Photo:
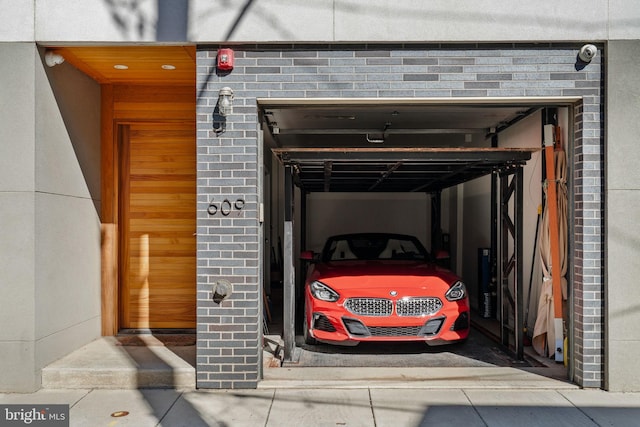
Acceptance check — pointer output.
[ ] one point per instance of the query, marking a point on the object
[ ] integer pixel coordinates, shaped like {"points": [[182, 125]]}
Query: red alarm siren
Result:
{"points": [[225, 59]]}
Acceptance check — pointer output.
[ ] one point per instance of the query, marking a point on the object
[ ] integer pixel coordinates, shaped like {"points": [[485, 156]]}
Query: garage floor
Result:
{"points": [[482, 349], [478, 351]]}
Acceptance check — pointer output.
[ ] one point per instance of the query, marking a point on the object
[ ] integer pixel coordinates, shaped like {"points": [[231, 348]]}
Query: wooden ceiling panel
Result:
{"points": [[144, 64]]}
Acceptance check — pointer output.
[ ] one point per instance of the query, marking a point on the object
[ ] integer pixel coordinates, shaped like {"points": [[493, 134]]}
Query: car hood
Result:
{"points": [[370, 275]]}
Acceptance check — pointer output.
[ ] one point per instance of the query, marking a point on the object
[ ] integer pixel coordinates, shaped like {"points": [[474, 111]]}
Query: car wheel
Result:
{"points": [[308, 339]]}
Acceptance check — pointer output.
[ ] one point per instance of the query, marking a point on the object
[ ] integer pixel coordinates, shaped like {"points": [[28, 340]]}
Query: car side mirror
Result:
{"points": [[441, 254], [307, 256]]}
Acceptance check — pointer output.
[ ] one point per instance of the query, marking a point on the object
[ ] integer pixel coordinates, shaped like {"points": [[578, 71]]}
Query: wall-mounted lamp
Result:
{"points": [[225, 101], [52, 58]]}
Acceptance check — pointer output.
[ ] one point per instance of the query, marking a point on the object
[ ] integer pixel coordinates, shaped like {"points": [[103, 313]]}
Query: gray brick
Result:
{"points": [[311, 61], [384, 77], [260, 54], [567, 76], [457, 61], [469, 69], [542, 92], [372, 53], [300, 70], [336, 54], [494, 77], [342, 62], [407, 69], [503, 92], [481, 85], [311, 77], [274, 78], [445, 69], [357, 93], [492, 60], [420, 77], [335, 86], [227, 167], [373, 69], [384, 61], [371, 85], [470, 93], [397, 93], [454, 77], [287, 94], [346, 78], [420, 61], [433, 93]]}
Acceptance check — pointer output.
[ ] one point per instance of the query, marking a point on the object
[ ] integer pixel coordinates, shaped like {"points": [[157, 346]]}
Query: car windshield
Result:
{"points": [[374, 247]]}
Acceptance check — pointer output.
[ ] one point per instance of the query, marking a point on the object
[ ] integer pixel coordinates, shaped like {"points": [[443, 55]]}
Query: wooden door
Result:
{"points": [[158, 225]]}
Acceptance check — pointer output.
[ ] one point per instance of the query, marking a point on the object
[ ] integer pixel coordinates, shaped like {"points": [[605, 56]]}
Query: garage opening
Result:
{"points": [[462, 176]]}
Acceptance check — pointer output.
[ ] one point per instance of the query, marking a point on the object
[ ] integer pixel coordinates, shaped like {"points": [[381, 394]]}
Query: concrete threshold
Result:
{"points": [[408, 378], [295, 375], [108, 364]]}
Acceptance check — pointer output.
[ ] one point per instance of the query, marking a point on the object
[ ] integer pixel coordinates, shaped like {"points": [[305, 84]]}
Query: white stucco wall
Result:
{"points": [[336, 213], [622, 241], [17, 21], [476, 214], [476, 230], [67, 219], [320, 21], [17, 216], [49, 222]]}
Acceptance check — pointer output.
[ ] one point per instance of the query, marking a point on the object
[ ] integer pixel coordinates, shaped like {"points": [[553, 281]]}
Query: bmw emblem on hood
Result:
{"points": [[393, 293]]}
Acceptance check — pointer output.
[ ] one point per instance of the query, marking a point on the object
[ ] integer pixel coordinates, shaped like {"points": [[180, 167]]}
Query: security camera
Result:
{"points": [[52, 58], [587, 52]]}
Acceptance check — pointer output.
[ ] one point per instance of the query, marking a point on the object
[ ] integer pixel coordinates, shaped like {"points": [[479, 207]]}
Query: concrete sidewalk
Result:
{"points": [[154, 385], [369, 406]]}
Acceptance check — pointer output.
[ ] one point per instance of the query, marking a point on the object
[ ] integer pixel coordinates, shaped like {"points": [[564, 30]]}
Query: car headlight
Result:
{"points": [[456, 292], [322, 292]]}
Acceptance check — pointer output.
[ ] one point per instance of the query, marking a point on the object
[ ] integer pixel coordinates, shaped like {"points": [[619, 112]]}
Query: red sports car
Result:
{"points": [[382, 287]]}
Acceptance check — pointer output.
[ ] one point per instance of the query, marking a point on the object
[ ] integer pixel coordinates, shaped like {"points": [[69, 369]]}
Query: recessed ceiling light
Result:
{"points": [[168, 67], [121, 67]]}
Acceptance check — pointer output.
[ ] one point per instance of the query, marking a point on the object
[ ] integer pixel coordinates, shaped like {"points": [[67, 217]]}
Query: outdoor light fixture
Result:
{"points": [[52, 58], [225, 101]]}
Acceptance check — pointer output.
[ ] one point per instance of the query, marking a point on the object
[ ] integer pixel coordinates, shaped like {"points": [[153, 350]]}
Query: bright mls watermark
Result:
{"points": [[34, 415]]}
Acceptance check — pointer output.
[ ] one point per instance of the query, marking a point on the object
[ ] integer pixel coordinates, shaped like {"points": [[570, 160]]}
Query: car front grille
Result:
{"points": [[381, 307], [403, 331], [369, 306], [418, 306]]}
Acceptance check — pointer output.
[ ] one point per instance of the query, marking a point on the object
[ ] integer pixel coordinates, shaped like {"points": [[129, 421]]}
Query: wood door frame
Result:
{"points": [[115, 255], [115, 113], [109, 170], [122, 146], [113, 133]]}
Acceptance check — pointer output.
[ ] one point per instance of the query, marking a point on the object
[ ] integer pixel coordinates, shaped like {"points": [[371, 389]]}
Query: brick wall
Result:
{"points": [[228, 350]]}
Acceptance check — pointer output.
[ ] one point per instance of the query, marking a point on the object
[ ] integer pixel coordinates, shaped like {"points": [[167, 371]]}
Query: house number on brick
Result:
{"points": [[225, 207]]}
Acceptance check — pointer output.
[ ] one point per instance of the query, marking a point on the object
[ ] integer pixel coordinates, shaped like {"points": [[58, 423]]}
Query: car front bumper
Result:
{"points": [[332, 323]]}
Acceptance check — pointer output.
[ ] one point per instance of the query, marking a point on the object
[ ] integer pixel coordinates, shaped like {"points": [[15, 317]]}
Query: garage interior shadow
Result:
{"points": [[482, 349]]}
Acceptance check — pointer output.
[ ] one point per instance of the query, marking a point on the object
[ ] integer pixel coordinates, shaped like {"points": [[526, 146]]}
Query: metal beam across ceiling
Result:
{"points": [[394, 144], [378, 169]]}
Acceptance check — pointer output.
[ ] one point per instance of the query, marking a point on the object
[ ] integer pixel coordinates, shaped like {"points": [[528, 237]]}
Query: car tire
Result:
{"points": [[308, 339]]}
